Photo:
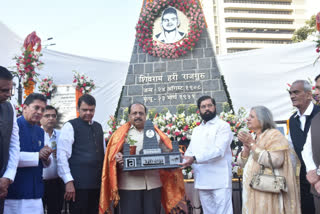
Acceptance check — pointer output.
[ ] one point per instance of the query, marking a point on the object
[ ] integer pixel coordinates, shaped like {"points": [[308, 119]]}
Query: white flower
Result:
{"points": [[184, 172], [81, 81], [122, 122], [190, 175], [21, 66], [235, 169]]}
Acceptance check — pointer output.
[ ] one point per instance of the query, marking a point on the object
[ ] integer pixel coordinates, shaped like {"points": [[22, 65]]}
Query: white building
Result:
{"points": [[241, 25]]}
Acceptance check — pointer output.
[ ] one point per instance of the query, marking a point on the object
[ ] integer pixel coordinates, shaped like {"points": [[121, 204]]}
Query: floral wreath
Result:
{"points": [[144, 29], [318, 36], [47, 87], [83, 83]]}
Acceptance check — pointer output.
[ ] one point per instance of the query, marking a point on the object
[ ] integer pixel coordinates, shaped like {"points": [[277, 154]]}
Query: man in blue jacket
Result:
{"points": [[25, 193]]}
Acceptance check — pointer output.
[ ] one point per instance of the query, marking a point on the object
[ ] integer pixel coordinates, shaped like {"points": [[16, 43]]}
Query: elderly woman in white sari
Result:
{"points": [[255, 153]]}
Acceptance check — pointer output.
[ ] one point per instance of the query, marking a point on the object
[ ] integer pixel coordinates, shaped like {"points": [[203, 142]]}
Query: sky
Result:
{"points": [[95, 28]]}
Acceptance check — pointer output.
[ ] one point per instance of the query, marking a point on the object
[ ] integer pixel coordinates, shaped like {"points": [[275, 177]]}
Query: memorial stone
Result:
{"points": [[162, 82]]}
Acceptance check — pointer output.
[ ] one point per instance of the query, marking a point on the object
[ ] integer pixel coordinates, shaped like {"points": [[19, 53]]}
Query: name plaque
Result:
{"points": [[151, 156]]}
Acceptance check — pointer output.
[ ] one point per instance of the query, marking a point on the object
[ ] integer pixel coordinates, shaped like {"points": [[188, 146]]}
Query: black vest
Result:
{"points": [[315, 142], [87, 156], [6, 124], [299, 137]]}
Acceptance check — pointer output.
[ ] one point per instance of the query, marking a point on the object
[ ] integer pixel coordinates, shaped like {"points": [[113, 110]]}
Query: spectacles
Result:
{"points": [[50, 115], [205, 106]]}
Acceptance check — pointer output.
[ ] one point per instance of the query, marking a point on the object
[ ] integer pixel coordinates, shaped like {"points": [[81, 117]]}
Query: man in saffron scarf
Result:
{"points": [[139, 191]]}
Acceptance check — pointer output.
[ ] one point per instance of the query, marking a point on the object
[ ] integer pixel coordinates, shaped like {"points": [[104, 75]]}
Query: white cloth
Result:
{"points": [[14, 150], [307, 155], [23, 206], [218, 201], [51, 172], [31, 159], [210, 144], [64, 151]]}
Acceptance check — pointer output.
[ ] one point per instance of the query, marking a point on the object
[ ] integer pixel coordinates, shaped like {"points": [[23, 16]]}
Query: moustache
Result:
{"points": [[137, 119]]}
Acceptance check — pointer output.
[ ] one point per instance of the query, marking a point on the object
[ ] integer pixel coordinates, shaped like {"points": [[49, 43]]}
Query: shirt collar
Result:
{"points": [[307, 112], [212, 121], [54, 134], [132, 127]]}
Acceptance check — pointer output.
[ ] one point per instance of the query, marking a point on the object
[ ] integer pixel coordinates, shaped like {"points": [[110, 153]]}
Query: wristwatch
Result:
{"points": [[318, 171]]}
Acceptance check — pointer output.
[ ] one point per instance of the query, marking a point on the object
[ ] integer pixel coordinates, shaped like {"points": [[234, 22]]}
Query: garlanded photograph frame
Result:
{"points": [[152, 10]]}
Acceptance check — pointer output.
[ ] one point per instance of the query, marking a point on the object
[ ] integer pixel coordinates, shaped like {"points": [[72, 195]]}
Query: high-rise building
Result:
{"points": [[241, 25]]}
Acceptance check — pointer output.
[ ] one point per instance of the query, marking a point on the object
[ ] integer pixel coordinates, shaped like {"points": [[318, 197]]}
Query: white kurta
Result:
{"points": [[26, 206], [64, 151], [14, 150], [210, 144]]}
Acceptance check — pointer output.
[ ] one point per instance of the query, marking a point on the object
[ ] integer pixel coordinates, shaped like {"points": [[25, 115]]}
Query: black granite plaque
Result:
{"points": [[151, 156]]}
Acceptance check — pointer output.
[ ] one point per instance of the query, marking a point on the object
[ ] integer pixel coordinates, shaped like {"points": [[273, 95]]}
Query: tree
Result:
{"points": [[302, 33]]}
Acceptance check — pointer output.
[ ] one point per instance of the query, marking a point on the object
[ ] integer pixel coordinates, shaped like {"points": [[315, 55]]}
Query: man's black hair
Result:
{"points": [[35, 96], [49, 107], [5, 74], [145, 108], [169, 10], [88, 99], [317, 77], [205, 98]]}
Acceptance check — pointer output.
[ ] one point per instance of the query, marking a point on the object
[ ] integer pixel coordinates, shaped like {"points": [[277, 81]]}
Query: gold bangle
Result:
{"points": [[244, 158]]}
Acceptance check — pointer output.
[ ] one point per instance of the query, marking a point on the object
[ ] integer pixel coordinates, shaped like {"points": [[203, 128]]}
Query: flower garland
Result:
{"points": [[29, 62], [18, 108], [177, 126], [144, 29], [180, 126], [237, 121], [83, 83], [47, 87], [318, 35]]}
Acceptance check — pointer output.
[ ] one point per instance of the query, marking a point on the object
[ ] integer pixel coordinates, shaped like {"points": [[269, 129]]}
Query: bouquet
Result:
{"points": [[47, 87], [83, 83]]}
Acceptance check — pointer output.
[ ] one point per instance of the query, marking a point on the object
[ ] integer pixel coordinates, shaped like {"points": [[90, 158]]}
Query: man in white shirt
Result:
{"points": [[311, 153], [9, 136], [299, 125], [53, 185], [80, 154], [209, 153]]}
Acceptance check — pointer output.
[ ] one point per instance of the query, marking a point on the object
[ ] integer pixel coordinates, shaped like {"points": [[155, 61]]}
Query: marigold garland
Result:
{"points": [[153, 9], [28, 88]]}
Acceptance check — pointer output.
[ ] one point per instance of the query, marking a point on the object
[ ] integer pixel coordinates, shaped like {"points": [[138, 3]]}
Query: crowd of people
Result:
{"points": [[41, 167]]}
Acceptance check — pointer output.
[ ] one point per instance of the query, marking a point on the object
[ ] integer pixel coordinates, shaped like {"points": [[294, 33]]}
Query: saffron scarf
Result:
{"points": [[172, 180]]}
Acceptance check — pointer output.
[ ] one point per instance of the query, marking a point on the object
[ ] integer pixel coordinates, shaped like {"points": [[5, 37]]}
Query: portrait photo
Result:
{"points": [[171, 26]]}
